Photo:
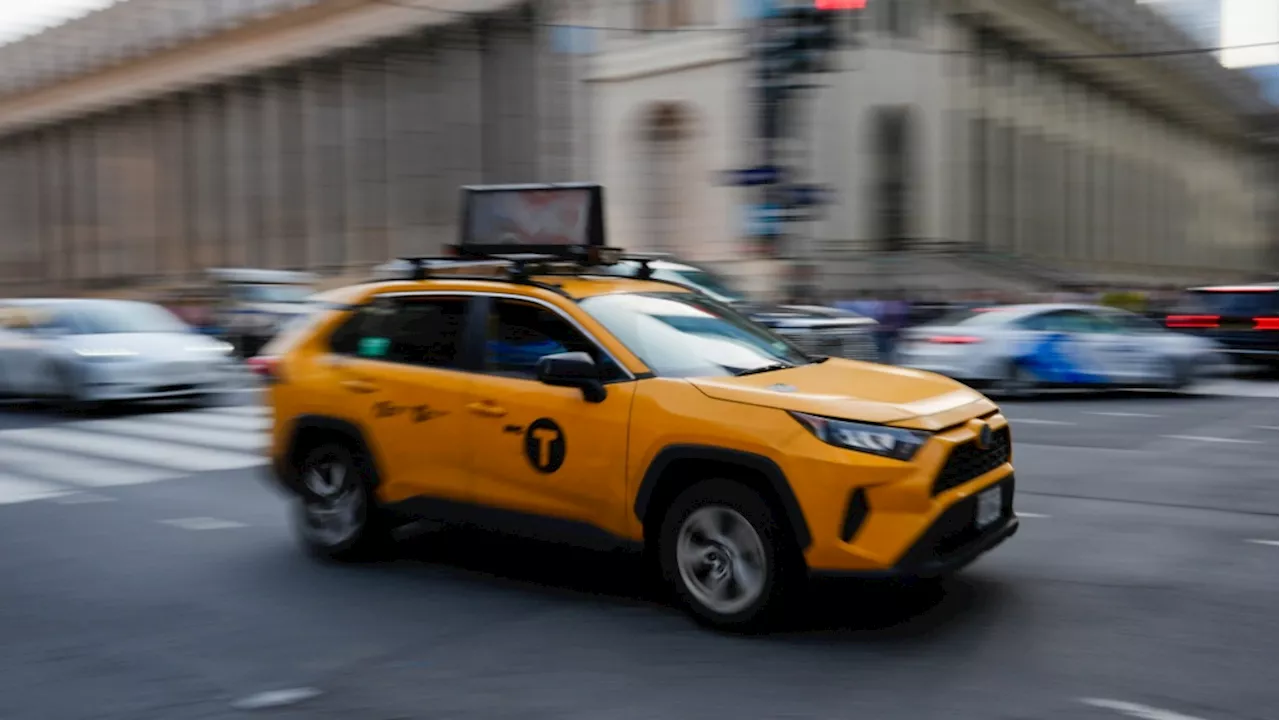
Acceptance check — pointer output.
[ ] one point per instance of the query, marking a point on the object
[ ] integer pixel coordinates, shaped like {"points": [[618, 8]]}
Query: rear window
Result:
{"points": [[975, 316], [1228, 303]]}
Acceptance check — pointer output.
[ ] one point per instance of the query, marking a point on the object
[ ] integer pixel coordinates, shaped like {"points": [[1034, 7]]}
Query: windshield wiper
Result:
{"points": [[763, 369]]}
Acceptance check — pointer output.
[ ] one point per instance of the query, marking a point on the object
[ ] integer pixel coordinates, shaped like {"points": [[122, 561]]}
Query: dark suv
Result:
{"points": [[1240, 318], [816, 329]]}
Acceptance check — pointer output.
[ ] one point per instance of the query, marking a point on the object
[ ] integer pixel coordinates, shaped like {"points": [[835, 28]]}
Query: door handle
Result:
{"points": [[487, 409], [363, 387]]}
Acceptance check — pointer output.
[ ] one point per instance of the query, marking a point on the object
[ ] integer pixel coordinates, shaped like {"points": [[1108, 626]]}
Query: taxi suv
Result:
{"points": [[614, 411]]}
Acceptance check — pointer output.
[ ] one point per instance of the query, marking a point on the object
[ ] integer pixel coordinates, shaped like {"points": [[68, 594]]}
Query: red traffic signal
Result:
{"points": [[839, 4]]}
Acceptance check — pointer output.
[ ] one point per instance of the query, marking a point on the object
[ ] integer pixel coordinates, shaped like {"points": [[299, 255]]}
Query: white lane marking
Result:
{"points": [[1021, 514], [174, 456], [1268, 427], [251, 441], [1123, 414], [1033, 421], [65, 467], [251, 410], [1143, 712], [204, 419], [1272, 543], [15, 490], [202, 523], [1204, 438], [83, 498], [275, 698]]}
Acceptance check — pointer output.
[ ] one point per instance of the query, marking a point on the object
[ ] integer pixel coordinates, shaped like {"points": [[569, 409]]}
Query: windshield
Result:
{"points": [[702, 280], [1229, 304], [690, 335], [101, 318], [272, 293]]}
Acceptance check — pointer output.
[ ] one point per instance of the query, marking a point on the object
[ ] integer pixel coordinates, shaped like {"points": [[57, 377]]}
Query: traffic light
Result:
{"points": [[828, 5]]}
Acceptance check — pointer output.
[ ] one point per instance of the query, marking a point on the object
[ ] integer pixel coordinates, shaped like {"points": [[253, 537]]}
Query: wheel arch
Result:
{"points": [[669, 474], [310, 430]]}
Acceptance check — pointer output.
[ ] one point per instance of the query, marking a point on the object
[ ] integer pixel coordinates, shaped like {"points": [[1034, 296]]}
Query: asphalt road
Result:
{"points": [[1143, 580]]}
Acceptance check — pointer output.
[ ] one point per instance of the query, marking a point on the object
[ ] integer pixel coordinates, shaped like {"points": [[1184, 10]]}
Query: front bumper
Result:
{"points": [[952, 542], [151, 380]]}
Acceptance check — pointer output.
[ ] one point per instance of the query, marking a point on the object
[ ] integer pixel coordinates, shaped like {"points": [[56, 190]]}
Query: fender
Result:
{"points": [[349, 430], [758, 463]]}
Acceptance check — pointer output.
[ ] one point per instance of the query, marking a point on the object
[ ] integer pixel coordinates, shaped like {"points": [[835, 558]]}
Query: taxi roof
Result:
{"points": [[576, 287]]}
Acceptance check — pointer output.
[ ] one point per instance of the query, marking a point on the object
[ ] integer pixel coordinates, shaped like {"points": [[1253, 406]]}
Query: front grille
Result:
{"points": [[855, 344], [968, 461]]}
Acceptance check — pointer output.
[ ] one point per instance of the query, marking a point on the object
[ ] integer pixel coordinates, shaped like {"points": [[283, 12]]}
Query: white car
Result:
{"points": [[89, 351], [1020, 348]]}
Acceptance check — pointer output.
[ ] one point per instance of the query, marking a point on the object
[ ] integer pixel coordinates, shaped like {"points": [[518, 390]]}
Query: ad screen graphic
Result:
{"points": [[557, 216]]}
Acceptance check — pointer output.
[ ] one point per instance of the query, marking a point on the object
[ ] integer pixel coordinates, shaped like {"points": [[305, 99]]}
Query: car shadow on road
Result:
{"points": [[857, 610]]}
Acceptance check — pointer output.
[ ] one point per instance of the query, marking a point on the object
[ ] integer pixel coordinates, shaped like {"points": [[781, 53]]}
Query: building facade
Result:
{"points": [[324, 135], [1023, 135]]}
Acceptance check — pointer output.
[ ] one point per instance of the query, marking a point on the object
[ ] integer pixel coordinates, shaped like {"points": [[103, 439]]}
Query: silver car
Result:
{"points": [[88, 351], [1021, 348]]}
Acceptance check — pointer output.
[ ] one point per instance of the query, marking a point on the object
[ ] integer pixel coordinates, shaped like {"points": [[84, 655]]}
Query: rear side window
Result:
{"points": [[413, 331], [1229, 304], [1062, 321]]}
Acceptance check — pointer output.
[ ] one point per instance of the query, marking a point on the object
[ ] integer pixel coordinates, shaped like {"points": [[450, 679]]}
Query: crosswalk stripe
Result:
{"points": [[19, 490], [155, 453], [204, 419], [76, 470], [251, 410], [210, 437]]}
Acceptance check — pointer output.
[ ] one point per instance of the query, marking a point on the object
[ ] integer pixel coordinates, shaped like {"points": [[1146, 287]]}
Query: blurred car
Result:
{"points": [[1240, 318], [1020, 348], [88, 351], [253, 304], [816, 329]]}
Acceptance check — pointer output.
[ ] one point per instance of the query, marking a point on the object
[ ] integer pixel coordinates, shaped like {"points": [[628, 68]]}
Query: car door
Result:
{"points": [[1061, 349], [544, 450], [1124, 355], [398, 368], [27, 351]]}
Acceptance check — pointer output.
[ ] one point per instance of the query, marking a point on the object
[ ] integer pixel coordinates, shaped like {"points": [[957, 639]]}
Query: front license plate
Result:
{"points": [[989, 504]]}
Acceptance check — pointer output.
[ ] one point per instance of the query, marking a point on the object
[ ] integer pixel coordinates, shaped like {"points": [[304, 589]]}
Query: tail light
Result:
{"points": [[1266, 323], [1192, 321], [266, 367], [953, 339]]}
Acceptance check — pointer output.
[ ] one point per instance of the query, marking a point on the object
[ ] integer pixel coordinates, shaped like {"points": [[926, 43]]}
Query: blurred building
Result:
{"points": [[965, 142], [1200, 20], [156, 138]]}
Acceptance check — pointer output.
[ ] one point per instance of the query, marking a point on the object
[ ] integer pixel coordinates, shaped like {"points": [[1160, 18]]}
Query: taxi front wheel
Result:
{"points": [[336, 514], [723, 554]]}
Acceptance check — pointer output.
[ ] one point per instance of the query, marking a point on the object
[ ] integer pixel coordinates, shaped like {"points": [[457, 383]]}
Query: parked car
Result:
{"points": [[818, 330], [1021, 348], [88, 351]]}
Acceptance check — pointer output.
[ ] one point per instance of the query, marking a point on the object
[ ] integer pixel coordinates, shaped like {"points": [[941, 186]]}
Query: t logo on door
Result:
{"points": [[544, 445]]}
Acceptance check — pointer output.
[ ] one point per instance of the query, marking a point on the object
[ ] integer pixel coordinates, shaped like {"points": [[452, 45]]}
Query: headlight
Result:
{"points": [[220, 348], [881, 440], [103, 353]]}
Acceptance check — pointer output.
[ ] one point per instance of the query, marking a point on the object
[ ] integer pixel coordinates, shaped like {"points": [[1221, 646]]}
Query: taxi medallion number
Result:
{"points": [[989, 503]]}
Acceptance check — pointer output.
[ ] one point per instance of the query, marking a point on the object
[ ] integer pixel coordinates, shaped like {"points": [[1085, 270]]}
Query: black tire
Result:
{"points": [[781, 562], [370, 534], [1014, 382]]}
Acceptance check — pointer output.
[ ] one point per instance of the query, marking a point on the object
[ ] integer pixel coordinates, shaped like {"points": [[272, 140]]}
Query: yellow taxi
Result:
{"points": [[530, 394]]}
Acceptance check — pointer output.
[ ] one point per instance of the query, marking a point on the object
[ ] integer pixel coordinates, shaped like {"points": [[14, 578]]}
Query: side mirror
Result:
{"points": [[572, 369]]}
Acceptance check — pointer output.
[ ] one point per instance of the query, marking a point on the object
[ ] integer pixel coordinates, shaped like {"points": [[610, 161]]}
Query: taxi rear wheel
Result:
{"points": [[722, 553], [336, 515]]}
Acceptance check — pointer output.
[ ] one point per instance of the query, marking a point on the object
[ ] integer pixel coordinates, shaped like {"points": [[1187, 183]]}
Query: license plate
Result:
{"points": [[989, 504]]}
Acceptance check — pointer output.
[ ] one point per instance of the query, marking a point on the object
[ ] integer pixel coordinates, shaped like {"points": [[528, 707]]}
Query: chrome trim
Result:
{"points": [[514, 296]]}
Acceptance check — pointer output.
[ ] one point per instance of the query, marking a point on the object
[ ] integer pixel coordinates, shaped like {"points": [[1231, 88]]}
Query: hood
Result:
{"points": [[851, 390], [151, 346], [802, 315]]}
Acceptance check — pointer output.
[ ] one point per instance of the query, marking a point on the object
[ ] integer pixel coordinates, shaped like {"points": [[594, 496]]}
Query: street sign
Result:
{"points": [[750, 177]]}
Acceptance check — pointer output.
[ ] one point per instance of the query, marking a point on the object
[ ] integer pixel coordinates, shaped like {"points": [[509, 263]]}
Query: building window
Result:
{"points": [[892, 186]]}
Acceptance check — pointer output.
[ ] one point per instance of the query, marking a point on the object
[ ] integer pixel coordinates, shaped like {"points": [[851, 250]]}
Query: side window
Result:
{"points": [[416, 331], [521, 333], [1062, 321]]}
